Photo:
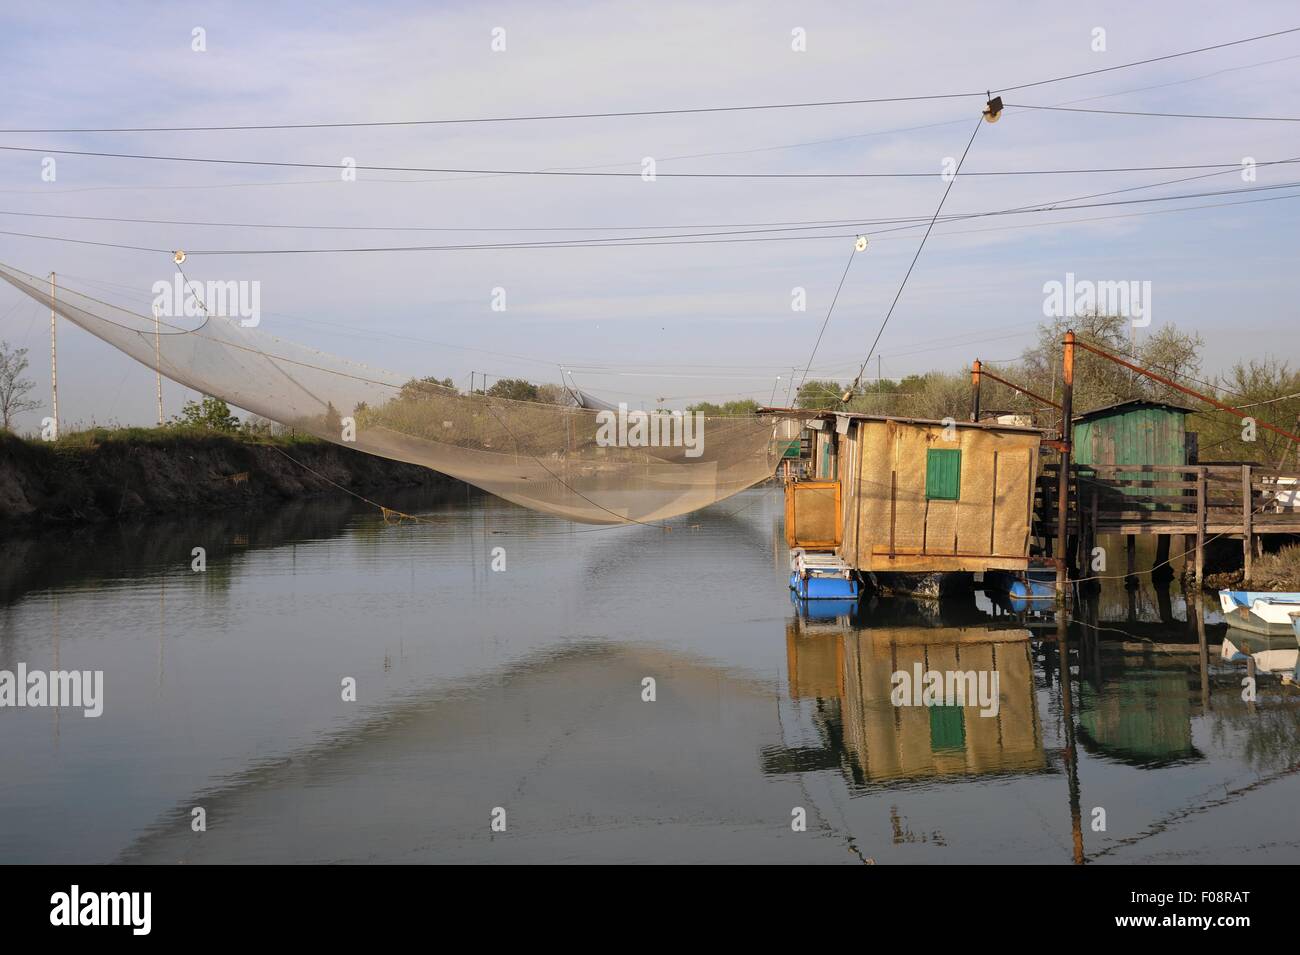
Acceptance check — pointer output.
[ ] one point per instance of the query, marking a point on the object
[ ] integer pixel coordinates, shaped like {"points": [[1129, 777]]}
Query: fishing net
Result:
{"points": [[588, 462]]}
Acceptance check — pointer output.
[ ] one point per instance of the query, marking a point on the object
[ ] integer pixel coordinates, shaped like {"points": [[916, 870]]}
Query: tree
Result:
{"points": [[420, 388], [818, 394], [741, 407], [212, 414], [514, 389], [1099, 381], [1268, 391], [13, 386]]}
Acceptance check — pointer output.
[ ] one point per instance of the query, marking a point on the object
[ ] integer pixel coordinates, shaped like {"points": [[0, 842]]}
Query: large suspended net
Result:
{"points": [[598, 465]]}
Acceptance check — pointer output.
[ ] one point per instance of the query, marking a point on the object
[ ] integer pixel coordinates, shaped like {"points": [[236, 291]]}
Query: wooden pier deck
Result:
{"points": [[1197, 501]]}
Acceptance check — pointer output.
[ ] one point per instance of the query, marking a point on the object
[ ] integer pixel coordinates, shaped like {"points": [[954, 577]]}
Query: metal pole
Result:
{"points": [[54, 359], [157, 364], [1063, 477], [975, 390]]}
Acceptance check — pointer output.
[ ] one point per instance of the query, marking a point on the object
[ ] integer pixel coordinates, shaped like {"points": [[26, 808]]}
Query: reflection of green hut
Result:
{"points": [[1140, 717], [1135, 432]]}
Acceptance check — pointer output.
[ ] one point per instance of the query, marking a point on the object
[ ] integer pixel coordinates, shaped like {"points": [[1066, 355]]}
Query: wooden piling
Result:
{"points": [[1247, 509], [1161, 563], [1201, 510]]}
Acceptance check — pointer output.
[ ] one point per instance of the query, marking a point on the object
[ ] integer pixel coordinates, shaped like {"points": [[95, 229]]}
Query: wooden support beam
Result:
{"points": [[1247, 513], [1200, 525]]}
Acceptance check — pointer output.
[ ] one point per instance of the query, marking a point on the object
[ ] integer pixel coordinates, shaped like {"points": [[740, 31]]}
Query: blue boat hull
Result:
{"points": [[824, 588], [1022, 586]]}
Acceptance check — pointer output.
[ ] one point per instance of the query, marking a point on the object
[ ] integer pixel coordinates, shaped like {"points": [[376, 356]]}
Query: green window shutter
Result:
{"points": [[947, 727], [942, 474]]}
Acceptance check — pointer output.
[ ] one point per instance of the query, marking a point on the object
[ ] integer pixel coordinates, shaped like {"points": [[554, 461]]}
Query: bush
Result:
{"points": [[1278, 571]]}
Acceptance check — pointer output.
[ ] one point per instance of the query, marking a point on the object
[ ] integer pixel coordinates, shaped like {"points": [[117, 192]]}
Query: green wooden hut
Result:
{"points": [[1135, 432]]}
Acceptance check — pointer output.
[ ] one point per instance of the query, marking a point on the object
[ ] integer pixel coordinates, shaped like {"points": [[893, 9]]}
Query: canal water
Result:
{"points": [[502, 663]]}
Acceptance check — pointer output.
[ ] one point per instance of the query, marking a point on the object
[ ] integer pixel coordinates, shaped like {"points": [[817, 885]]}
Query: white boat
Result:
{"points": [[1260, 611]]}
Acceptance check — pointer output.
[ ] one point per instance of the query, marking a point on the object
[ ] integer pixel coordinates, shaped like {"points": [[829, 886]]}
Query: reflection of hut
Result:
{"points": [[1140, 717], [877, 740]]}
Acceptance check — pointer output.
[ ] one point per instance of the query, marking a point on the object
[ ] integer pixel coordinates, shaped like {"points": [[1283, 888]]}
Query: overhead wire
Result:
{"points": [[650, 112]]}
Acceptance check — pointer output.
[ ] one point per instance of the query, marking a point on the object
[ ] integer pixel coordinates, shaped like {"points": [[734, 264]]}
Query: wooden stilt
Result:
{"points": [[1160, 566], [1200, 525], [1247, 512]]}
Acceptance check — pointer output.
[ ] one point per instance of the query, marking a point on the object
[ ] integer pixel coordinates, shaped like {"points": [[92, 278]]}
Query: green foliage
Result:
{"points": [[818, 394], [1099, 381], [744, 407], [211, 414], [514, 389], [1279, 571], [1267, 390], [426, 386]]}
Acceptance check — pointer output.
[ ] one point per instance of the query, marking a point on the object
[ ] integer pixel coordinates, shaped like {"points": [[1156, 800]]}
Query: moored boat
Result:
{"points": [[1260, 611]]}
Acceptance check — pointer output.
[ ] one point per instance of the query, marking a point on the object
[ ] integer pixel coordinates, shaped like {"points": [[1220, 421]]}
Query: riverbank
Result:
{"points": [[110, 474]]}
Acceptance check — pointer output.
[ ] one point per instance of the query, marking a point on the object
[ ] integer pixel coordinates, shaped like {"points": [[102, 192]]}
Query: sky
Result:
{"points": [[655, 324]]}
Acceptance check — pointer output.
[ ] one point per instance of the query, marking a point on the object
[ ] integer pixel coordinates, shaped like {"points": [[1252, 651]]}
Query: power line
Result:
{"points": [[1154, 59], [794, 225], [1130, 112], [902, 285], [505, 119], [747, 236], [613, 175], [643, 112], [732, 152], [826, 321]]}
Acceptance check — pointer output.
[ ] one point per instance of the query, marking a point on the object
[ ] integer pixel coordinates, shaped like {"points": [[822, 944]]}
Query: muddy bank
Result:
{"points": [[173, 473]]}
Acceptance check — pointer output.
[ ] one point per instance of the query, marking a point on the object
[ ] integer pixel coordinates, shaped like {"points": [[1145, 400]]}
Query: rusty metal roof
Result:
{"points": [[985, 425]]}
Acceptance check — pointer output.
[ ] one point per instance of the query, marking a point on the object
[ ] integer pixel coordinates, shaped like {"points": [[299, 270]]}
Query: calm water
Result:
{"points": [[522, 689]]}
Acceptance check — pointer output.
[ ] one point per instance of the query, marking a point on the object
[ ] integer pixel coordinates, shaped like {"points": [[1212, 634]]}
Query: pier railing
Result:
{"points": [[1237, 500]]}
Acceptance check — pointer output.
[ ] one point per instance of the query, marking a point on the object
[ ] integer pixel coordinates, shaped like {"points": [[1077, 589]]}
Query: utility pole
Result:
{"points": [[1063, 476], [157, 364], [54, 360], [975, 390]]}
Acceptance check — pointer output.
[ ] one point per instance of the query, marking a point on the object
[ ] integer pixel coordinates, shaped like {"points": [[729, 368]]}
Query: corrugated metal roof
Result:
{"points": [[985, 425]]}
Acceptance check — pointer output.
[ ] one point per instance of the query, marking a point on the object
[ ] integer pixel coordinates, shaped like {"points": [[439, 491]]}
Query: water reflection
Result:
{"points": [[847, 672], [524, 690]]}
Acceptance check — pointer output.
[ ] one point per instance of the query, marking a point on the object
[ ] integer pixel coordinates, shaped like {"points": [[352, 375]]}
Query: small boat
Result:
{"points": [[1259, 611], [821, 576], [1273, 652]]}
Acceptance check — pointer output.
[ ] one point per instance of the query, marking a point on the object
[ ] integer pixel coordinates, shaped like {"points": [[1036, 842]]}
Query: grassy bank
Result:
{"points": [[117, 473]]}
